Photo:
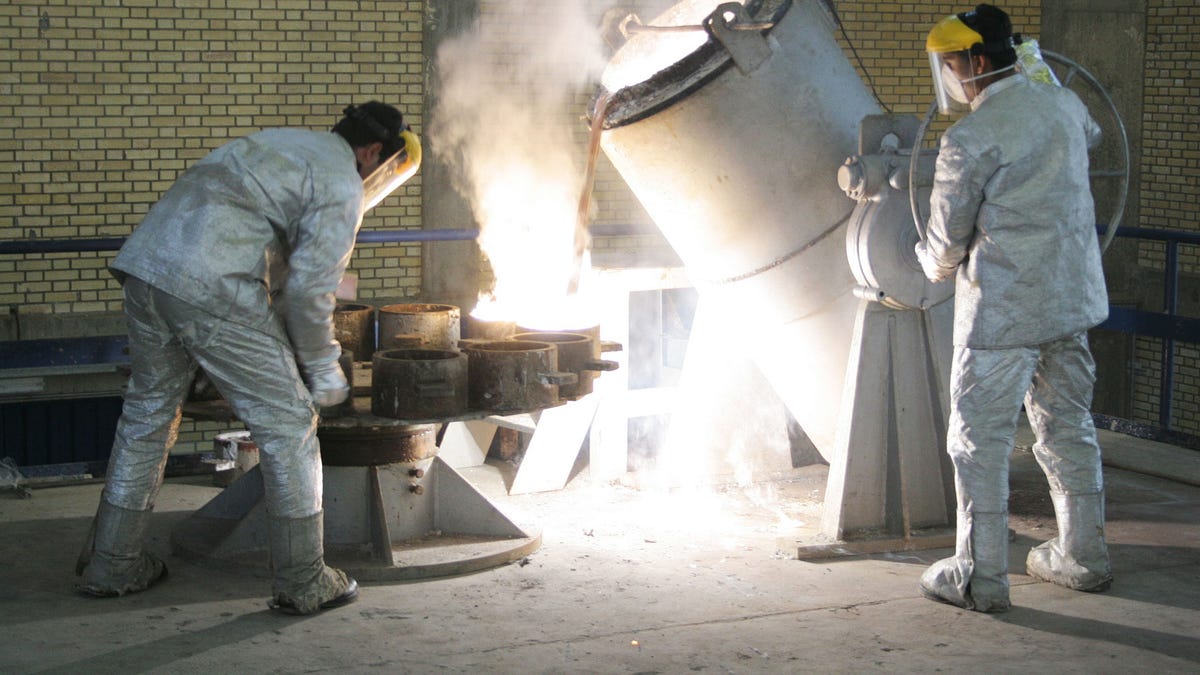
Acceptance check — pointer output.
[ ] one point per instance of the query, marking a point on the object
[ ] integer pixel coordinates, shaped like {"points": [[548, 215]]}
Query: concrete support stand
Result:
{"points": [[409, 520], [890, 475]]}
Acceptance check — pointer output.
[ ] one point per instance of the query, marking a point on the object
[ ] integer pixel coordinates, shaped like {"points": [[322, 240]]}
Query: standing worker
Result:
{"points": [[1011, 215], [234, 271]]}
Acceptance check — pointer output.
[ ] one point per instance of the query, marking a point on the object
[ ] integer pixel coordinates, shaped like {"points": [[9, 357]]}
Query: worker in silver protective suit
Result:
{"points": [[1011, 215], [234, 271]]}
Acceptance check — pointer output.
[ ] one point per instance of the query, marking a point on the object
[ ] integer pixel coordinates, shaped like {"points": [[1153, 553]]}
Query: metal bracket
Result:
{"points": [[873, 131], [742, 37]]}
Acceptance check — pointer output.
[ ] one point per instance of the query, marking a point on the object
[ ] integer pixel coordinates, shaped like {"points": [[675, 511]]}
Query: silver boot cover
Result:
{"points": [[114, 562], [976, 577], [302, 582], [1078, 557]]}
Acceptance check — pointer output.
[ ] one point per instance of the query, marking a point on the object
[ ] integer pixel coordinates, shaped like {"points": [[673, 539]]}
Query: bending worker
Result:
{"points": [[234, 271], [1011, 215]]}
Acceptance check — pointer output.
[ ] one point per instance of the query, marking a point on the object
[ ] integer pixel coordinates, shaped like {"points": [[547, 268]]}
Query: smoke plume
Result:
{"points": [[507, 123]]}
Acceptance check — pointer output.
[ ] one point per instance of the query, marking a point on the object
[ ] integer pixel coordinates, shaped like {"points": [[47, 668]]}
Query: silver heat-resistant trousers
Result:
{"points": [[1055, 380], [255, 372]]}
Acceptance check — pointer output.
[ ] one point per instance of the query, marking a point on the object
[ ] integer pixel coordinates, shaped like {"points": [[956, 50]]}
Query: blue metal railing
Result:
{"points": [[1166, 325]]}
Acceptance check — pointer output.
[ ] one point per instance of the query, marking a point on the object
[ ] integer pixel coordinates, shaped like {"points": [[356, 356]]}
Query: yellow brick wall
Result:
{"points": [[103, 104], [1171, 137], [1170, 190]]}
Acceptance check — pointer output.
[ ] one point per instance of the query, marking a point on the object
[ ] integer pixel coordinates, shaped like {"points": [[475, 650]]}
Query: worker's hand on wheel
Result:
{"points": [[328, 385], [933, 271]]}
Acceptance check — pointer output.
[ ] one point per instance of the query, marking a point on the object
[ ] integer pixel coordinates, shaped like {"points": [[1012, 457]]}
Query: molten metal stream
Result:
{"points": [[585, 197]]}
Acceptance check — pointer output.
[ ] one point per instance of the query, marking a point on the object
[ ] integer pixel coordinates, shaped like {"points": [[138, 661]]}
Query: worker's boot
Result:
{"points": [[113, 561], [976, 578], [1078, 557], [303, 583]]}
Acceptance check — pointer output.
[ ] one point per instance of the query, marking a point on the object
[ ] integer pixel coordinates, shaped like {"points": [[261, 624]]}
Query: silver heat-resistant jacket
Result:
{"points": [[1012, 209], [259, 232]]}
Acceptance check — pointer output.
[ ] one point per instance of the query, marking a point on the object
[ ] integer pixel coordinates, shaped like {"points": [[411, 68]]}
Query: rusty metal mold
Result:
{"points": [[418, 384], [354, 329], [508, 375], [436, 326], [364, 440], [592, 331], [577, 353]]}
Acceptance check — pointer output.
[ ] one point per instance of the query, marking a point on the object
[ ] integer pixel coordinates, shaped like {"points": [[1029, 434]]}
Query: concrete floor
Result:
{"points": [[625, 581]]}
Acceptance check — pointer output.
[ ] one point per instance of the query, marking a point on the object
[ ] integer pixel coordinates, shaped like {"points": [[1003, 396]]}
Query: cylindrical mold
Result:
{"points": [[354, 329], [578, 353], [513, 375], [434, 326], [419, 384], [736, 162], [373, 441]]}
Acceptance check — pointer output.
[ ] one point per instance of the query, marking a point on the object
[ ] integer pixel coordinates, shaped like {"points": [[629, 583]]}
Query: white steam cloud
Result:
{"points": [[507, 120]]}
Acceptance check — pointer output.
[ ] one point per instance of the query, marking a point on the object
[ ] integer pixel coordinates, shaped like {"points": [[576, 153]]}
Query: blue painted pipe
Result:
{"points": [[19, 246], [407, 236], [24, 246]]}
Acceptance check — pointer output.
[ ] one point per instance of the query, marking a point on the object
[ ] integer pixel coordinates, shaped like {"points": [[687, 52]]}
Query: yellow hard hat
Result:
{"points": [[951, 35]]}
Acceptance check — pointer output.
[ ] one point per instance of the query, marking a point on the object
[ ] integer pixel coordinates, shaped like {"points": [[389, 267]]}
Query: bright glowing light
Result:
{"points": [[532, 260], [527, 217], [500, 126]]}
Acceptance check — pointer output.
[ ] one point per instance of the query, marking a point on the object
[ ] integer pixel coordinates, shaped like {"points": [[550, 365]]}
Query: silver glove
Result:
{"points": [[933, 271], [328, 384]]}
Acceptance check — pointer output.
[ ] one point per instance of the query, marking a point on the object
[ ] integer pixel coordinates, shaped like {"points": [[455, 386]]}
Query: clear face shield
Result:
{"points": [[951, 91], [953, 82], [393, 173]]}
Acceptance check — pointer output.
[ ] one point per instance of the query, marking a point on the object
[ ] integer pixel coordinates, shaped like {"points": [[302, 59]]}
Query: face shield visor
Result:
{"points": [[393, 173], [951, 92], [949, 45]]}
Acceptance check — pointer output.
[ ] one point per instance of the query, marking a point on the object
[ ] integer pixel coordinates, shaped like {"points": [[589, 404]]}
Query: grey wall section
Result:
{"points": [[451, 270], [1107, 37]]}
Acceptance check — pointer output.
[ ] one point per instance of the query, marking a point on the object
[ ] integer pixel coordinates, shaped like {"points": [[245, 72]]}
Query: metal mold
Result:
{"points": [[365, 440], [419, 383], [577, 353], [511, 375], [354, 329], [436, 326]]}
